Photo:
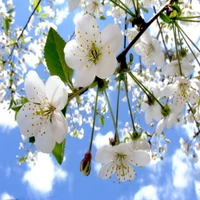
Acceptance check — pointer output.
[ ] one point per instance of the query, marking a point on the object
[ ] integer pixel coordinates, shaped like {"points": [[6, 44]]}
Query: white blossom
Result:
{"points": [[183, 90], [185, 67], [41, 117], [93, 53], [150, 51], [118, 159]]}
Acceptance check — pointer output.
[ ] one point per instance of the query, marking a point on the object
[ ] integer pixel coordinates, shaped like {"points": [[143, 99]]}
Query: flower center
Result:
{"points": [[183, 90], [94, 54], [46, 110], [120, 166]]}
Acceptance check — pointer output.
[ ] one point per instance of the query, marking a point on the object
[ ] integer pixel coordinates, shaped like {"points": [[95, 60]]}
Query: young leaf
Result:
{"points": [[165, 18], [54, 56], [58, 151]]}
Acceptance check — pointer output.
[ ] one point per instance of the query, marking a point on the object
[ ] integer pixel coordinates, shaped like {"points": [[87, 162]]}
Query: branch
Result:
{"points": [[21, 34], [121, 56]]}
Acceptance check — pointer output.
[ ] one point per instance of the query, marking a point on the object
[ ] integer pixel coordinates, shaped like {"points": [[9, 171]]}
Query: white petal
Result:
{"points": [[104, 154], [148, 116], [111, 38], [160, 126], [29, 122], [56, 92], [107, 170], [85, 76], [73, 4], [125, 174], [106, 65], [34, 87], [87, 30], [139, 157], [45, 142], [146, 37], [75, 56], [59, 127], [140, 144]]}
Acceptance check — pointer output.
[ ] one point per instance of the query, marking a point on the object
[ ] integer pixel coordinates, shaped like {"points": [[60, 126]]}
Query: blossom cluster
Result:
{"points": [[155, 63]]}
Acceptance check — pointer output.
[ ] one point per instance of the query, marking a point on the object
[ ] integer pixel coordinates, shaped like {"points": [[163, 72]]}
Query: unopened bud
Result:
{"points": [[85, 166]]}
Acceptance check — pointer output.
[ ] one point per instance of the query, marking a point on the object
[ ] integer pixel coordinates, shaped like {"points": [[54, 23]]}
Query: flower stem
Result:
{"points": [[124, 7], [176, 46], [117, 109], [144, 89], [129, 105], [113, 119], [187, 37], [94, 119], [76, 93]]}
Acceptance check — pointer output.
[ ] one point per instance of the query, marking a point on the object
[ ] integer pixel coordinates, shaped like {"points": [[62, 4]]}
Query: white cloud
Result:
{"points": [[197, 189], [42, 175], [6, 196], [58, 2], [97, 166], [7, 117], [61, 14], [148, 192], [101, 140], [181, 170], [77, 17]]}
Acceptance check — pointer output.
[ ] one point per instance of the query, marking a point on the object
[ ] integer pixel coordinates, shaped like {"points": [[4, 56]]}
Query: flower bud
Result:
{"points": [[85, 166]]}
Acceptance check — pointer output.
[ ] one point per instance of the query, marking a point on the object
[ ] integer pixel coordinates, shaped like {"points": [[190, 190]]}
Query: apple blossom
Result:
{"points": [[93, 53], [41, 117]]}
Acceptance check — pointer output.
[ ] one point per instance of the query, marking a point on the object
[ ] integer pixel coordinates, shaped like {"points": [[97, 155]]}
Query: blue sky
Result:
{"points": [[176, 177]]}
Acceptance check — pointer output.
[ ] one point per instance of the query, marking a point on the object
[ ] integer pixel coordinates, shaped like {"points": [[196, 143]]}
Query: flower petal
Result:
{"points": [[160, 126], [73, 4], [44, 141], [29, 122], [87, 31], [85, 76], [56, 92], [75, 56], [111, 38], [104, 154], [59, 127], [139, 157], [107, 170], [125, 174], [34, 87], [106, 65]]}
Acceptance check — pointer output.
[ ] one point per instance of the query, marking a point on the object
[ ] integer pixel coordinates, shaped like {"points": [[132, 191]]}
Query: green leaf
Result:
{"points": [[173, 14], [44, 15], [58, 151], [54, 56], [6, 24], [177, 8], [145, 10], [11, 10], [102, 18], [131, 57], [35, 2], [101, 120], [165, 18]]}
